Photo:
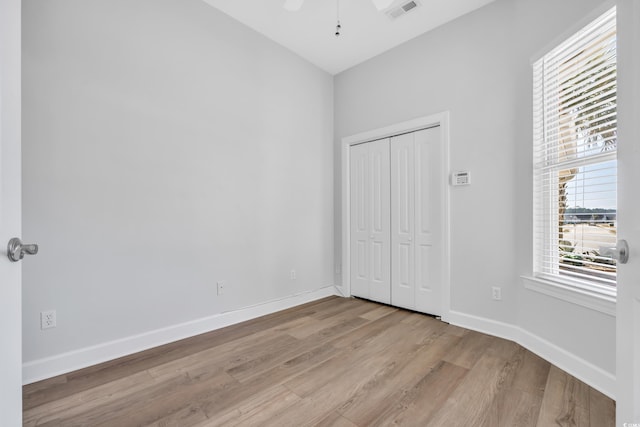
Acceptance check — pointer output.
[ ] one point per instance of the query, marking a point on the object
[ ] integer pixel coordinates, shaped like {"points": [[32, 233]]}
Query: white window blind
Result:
{"points": [[575, 166]]}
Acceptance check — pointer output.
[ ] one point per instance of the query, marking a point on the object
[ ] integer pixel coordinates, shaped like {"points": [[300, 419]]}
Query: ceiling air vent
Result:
{"points": [[405, 7]]}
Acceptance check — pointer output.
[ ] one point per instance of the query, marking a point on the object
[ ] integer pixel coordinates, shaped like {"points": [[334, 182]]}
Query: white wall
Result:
{"points": [[166, 147], [479, 68]]}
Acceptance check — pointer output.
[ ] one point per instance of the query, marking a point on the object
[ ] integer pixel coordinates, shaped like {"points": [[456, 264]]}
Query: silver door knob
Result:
{"points": [[619, 253], [16, 250]]}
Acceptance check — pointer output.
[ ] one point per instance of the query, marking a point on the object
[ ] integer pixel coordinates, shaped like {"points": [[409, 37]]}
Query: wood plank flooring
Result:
{"points": [[333, 362]]}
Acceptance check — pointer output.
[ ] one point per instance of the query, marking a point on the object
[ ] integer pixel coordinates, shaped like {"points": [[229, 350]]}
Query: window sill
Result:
{"points": [[583, 296]]}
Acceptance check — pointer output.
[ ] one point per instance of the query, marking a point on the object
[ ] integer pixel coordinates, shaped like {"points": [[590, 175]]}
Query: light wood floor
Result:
{"points": [[334, 362]]}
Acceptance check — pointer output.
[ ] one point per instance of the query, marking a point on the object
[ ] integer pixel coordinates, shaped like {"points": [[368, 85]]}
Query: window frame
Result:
{"points": [[588, 293]]}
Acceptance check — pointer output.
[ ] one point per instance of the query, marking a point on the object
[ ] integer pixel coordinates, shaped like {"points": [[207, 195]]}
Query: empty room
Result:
{"points": [[312, 212]]}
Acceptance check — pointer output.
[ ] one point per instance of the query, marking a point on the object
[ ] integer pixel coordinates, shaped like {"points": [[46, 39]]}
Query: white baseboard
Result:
{"points": [[62, 363], [40, 369], [484, 325], [341, 291], [601, 380]]}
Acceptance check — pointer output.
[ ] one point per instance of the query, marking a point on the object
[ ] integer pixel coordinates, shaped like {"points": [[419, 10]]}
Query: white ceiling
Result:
{"points": [[366, 32]]}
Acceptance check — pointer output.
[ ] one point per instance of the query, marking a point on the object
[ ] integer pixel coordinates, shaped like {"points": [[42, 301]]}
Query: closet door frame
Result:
{"points": [[439, 119]]}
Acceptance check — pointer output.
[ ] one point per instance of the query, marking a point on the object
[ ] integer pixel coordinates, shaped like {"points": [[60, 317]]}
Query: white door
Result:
{"points": [[370, 237], [403, 230], [10, 292], [360, 262], [417, 201], [628, 305], [430, 201]]}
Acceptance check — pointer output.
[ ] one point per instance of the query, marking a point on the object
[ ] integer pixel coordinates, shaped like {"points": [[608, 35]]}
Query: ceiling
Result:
{"points": [[366, 32]]}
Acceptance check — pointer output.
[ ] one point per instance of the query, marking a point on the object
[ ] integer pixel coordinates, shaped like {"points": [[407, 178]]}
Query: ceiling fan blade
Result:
{"points": [[382, 4], [293, 5]]}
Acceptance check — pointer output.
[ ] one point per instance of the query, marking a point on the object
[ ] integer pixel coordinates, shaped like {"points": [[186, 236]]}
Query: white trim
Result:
{"points": [[395, 129], [340, 291], [484, 325], [576, 295], [596, 377], [439, 119], [62, 363]]}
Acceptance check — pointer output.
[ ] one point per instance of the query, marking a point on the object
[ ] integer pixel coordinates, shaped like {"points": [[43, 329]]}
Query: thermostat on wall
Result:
{"points": [[461, 178]]}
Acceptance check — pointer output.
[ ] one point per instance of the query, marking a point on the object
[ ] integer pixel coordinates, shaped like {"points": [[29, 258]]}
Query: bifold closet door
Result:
{"points": [[370, 221], [416, 218], [403, 253]]}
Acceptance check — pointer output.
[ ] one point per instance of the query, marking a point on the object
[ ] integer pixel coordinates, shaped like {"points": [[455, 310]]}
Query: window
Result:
{"points": [[575, 160]]}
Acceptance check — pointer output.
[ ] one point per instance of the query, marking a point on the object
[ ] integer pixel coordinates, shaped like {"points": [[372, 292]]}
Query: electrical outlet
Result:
{"points": [[221, 286], [496, 293], [48, 319], [292, 275]]}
